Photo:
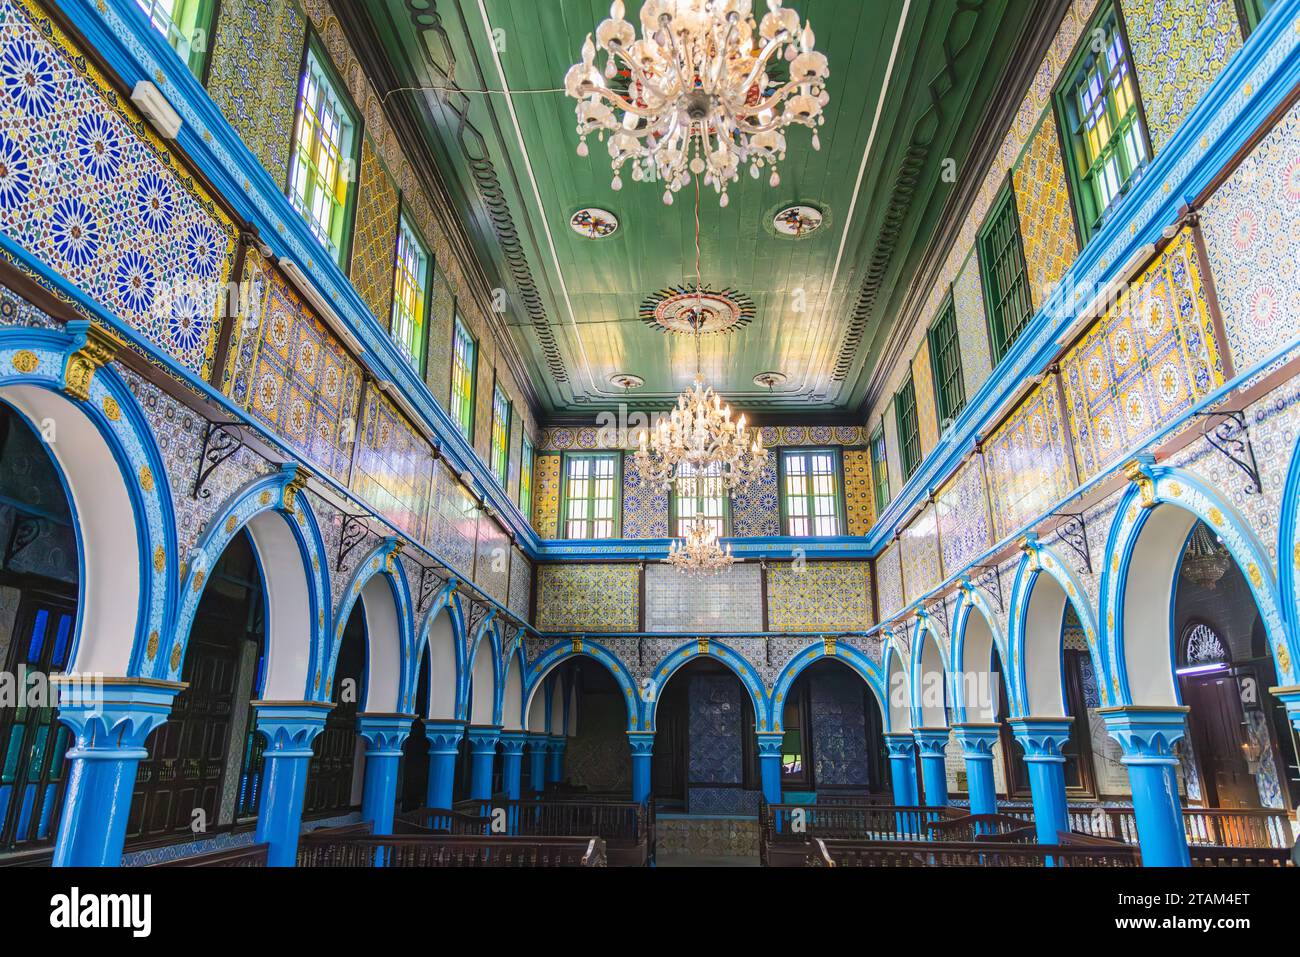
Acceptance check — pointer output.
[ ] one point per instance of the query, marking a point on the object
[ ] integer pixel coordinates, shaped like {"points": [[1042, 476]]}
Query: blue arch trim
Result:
{"points": [[447, 600], [488, 627], [535, 675], [826, 650], [971, 600], [746, 672], [919, 631]]}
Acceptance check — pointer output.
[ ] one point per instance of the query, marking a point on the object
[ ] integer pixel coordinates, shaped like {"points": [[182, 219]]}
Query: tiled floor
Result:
{"points": [[701, 860]]}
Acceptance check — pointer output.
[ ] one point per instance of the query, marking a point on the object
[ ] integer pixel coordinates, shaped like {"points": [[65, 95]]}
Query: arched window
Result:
{"points": [[1201, 649]]}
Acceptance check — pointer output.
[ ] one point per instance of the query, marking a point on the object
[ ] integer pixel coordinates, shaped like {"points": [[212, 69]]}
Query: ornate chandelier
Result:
{"points": [[698, 552], [704, 91]]}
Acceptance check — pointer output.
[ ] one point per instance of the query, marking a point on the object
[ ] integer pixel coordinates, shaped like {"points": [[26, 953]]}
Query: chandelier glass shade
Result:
{"points": [[1206, 560], [700, 434], [704, 90], [698, 551]]}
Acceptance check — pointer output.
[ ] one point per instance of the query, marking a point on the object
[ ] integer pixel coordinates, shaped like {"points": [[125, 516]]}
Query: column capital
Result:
{"points": [[769, 742], [384, 733], [1042, 738], [977, 739], [483, 738], [641, 742], [931, 741], [512, 742], [1146, 735], [556, 742], [900, 744], [290, 726], [110, 718], [444, 736]]}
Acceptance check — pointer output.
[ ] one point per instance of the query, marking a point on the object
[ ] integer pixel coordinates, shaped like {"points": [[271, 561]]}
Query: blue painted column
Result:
{"points": [[289, 727], [512, 763], [1147, 737], [109, 720], [384, 735], [934, 774], [1042, 739], [977, 742], [902, 767], [483, 751], [642, 744], [769, 764], [444, 745], [538, 752], [555, 764]]}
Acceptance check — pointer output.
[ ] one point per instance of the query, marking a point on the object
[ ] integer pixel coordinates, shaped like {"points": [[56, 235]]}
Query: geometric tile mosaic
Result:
{"points": [[1043, 203], [731, 601], [594, 598], [1027, 460], [756, 511], [927, 422], [521, 583], [645, 508], [91, 191], [889, 582], [453, 520], [291, 372], [1252, 239], [546, 494], [254, 72], [374, 239], [1178, 47], [819, 596], [394, 466], [919, 553], [492, 563], [1144, 362], [962, 508], [972, 328], [859, 496]]}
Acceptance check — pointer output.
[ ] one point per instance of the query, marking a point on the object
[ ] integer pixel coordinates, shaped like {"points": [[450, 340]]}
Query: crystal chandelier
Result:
{"points": [[703, 91], [698, 552], [1206, 560]]}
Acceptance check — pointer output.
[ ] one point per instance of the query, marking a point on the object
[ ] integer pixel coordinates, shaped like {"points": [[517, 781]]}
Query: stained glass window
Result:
{"points": [[500, 435], [591, 495], [526, 478], [1097, 101], [322, 171], [410, 293], [810, 500], [185, 24], [464, 357], [879, 468]]}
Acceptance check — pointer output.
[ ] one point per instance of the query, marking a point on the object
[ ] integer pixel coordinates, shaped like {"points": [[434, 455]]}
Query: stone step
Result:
{"points": [[707, 836]]}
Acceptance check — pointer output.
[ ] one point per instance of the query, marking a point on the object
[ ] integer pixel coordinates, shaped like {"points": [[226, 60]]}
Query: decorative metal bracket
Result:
{"points": [[430, 583], [355, 530], [939, 609], [990, 579], [220, 442], [1231, 437], [1073, 532]]}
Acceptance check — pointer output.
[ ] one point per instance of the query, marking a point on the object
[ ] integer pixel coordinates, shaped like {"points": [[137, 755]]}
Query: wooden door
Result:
{"points": [[1218, 734]]}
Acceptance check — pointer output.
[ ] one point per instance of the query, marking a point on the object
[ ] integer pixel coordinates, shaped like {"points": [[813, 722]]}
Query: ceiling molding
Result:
{"points": [[1031, 47]]}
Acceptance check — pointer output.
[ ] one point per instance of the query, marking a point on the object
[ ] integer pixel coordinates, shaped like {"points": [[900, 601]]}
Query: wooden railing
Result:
{"points": [[834, 852], [1205, 827], [439, 820], [1203, 856], [439, 850], [628, 828], [784, 829], [252, 855], [1003, 828]]}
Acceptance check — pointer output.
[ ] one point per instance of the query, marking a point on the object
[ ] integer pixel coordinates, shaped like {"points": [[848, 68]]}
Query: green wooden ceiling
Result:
{"points": [[509, 161]]}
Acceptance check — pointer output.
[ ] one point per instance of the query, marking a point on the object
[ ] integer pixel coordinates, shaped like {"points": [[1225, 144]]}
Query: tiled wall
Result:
{"points": [[819, 596], [592, 598], [839, 733], [731, 601]]}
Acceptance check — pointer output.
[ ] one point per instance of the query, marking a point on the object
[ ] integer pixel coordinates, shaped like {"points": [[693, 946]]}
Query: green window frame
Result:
{"points": [[526, 478], [909, 432], [1006, 279], [592, 494], [322, 169], [500, 435], [1103, 134], [812, 494], [411, 272], [1250, 13], [945, 362], [187, 25], [880, 468], [704, 493], [464, 359]]}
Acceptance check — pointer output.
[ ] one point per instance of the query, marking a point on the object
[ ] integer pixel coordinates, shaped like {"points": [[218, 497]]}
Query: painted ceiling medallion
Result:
{"points": [[627, 380], [769, 380], [592, 222], [798, 220], [686, 310], [703, 91]]}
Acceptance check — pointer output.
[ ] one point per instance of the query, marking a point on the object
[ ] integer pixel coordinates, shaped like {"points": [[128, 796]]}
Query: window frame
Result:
{"points": [[526, 457], [1086, 223], [458, 325], [947, 408], [1000, 340], [837, 472], [565, 502], [406, 228], [908, 434], [674, 512], [499, 455], [880, 468], [200, 15], [314, 52], [1250, 14]]}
